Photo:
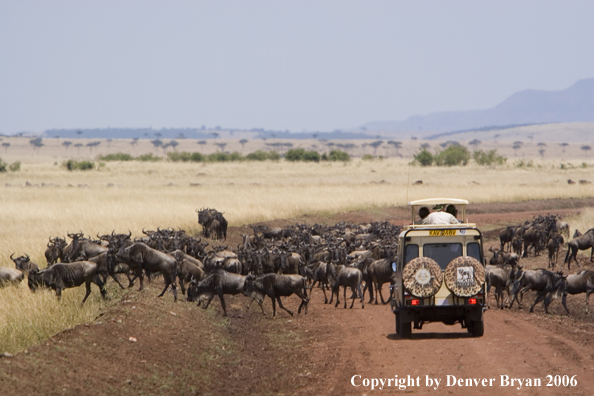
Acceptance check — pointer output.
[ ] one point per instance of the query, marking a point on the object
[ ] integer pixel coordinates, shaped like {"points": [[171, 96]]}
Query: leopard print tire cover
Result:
{"points": [[422, 277], [464, 276]]}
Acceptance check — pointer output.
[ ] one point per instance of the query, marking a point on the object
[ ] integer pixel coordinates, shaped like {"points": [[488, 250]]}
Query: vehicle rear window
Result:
{"points": [[411, 252], [442, 253], [474, 250]]}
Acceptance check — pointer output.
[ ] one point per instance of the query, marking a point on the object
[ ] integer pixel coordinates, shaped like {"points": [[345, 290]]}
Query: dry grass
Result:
{"points": [[28, 318], [160, 194]]}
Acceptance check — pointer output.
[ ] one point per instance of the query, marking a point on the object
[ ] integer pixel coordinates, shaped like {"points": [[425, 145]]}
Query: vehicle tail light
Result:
{"points": [[472, 301], [415, 302]]}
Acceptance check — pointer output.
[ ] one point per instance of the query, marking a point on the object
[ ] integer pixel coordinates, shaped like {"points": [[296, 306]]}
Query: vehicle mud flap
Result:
{"points": [[422, 277], [464, 276]]}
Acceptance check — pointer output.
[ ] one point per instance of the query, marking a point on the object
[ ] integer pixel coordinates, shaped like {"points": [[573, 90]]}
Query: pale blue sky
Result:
{"points": [[297, 65]]}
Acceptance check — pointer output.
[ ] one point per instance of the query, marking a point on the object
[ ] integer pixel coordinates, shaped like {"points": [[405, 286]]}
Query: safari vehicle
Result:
{"points": [[440, 272]]}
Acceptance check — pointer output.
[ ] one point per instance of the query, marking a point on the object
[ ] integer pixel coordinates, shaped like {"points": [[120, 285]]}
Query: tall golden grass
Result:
{"points": [[28, 318], [126, 196]]}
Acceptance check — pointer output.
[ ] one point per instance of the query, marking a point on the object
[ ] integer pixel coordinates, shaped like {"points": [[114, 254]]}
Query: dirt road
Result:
{"points": [[146, 345]]}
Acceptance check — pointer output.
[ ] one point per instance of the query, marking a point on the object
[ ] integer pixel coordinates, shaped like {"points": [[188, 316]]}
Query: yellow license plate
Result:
{"points": [[442, 232]]}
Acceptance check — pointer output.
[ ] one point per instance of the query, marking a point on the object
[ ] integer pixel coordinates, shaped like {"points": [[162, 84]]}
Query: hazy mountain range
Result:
{"points": [[574, 104]]}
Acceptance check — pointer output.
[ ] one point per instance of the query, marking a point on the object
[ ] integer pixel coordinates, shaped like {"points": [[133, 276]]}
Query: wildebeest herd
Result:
{"points": [[505, 273], [278, 262]]}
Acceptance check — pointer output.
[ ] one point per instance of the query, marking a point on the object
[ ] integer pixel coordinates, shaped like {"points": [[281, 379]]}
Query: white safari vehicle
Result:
{"points": [[440, 271]]}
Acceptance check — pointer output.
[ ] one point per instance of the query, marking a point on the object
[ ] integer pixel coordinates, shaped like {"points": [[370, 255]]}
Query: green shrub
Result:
{"points": [[15, 166], [453, 155], [235, 156], [424, 157], [148, 158], [311, 156], [367, 157], [72, 165], [273, 155], [295, 155], [182, 156], [338, 155], [197, 157], [528, 164], [2, 166], [116, 157], [488, 158]]}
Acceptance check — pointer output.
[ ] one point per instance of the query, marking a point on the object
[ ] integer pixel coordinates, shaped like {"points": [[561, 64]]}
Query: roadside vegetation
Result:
{"points": [[458, 155]]}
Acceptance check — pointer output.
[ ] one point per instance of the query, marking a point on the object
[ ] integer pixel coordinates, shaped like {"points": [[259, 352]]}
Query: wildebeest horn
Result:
{"points": [[27, 256], [11, 257], [129, 234]]}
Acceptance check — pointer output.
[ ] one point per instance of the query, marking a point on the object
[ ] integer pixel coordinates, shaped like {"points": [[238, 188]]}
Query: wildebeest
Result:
{"points": [[53, 253], [219, 283], [276, 286], [188, 269], [582, 242], [62, 276], [501, 277], [380, 272], [10, 276], [107, 265], [318, 272], [206, 217], [547, 284], [582, 282], [24, 263], [141, 257], [553, 246], [349, 278]]}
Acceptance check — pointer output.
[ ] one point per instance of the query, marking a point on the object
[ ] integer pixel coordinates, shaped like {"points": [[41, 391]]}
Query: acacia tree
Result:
{"points": [[221, 146], [586, 149], [173, 144], [563, 145], [6, 145], [475, 143], [36, 143], [90, 145], [517, 145], [541, 152], [375, 145], [66, 144], [157, 143], [78, 146], [243, 142]]}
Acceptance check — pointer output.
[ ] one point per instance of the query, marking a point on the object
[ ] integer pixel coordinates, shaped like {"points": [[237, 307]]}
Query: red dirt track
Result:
{"points": [[183, 350]]}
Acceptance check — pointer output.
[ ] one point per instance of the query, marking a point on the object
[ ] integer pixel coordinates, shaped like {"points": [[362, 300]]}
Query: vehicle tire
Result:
{"points": [[422, 277], [469, 327], [478, 328], [464, 276], [397, 314]]}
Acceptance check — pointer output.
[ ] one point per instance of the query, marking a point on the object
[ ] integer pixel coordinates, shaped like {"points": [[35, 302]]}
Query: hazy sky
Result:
{"points": [[297, 65]]}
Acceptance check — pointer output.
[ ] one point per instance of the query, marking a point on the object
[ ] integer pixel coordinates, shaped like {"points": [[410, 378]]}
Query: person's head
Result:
{"points": [[423, 212], [451, 209]]}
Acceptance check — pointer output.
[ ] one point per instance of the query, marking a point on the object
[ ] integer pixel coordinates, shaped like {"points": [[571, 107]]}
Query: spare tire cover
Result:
{"points": [[464, 276], [422, 277]]}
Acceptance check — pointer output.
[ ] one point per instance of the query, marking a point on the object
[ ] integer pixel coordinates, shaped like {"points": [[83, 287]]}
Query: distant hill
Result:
{"points": [[574, 104]]}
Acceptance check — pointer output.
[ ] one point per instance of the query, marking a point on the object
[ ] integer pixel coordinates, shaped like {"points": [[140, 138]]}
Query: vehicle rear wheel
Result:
{"points": [[477, 328]]}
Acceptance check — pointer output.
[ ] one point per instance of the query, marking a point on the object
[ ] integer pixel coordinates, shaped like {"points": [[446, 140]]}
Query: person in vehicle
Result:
{"points": [[439, 217], [423, 213]]}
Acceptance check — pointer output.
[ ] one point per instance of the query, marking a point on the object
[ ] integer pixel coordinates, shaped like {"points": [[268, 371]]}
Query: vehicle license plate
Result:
{"points": [[442, 232]]}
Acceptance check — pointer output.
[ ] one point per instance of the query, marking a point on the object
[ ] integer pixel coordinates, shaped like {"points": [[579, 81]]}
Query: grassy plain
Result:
{"points": [[43, 199]]}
